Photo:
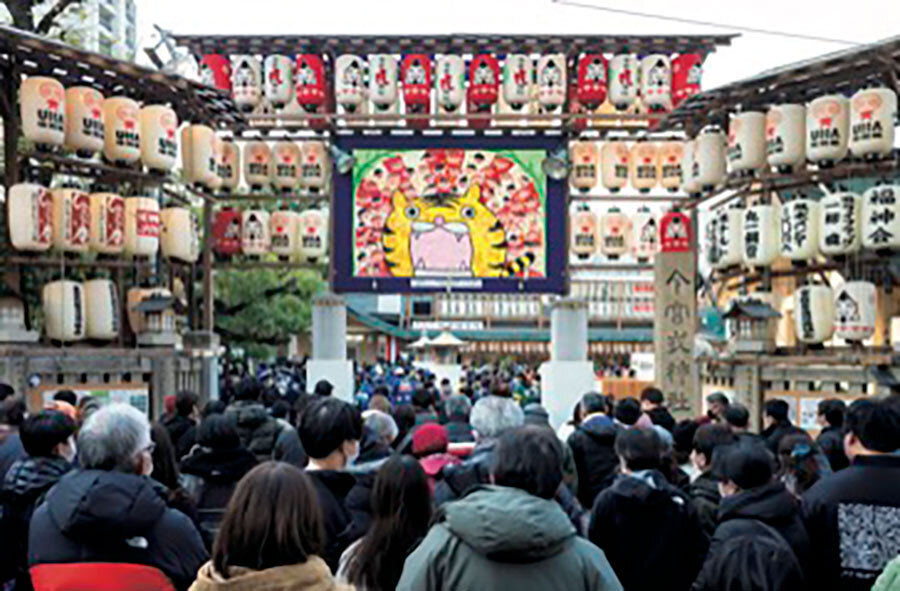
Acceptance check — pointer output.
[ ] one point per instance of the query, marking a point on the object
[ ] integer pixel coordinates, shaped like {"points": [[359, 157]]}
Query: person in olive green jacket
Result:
{"points": [[510, 535]]}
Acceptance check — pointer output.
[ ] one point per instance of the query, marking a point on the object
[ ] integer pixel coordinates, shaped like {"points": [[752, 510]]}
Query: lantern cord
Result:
{"points": [[703, 23]]}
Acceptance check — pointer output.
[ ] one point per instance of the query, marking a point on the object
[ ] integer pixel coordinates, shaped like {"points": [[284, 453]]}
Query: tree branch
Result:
{"points": [[288, 288], [47, 22]]}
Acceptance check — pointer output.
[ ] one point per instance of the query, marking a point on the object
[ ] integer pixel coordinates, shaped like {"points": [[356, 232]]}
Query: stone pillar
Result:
{"points": [[569, 374], [329, 347]]}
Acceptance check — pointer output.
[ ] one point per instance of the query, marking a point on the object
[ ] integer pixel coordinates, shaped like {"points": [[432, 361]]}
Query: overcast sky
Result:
{"points": [[860, 20]]}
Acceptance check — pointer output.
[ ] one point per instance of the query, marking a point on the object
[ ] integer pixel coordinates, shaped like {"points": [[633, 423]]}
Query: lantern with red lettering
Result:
{"points": [[313, 229], [29, 213], [215, 71], [615, 233], [592, 85], [584, 232], [141, 226], [786, 137], [614, 157], [246, 82], [42, 108], [872, 115], [551, 79], [278, 84], [624, 80], [309, 80], [484, 81], [257, 157], [827, 128], [518, 72], [675, 233], [415, 71], [286, 164], [255, 237], [349, 82], [584, 158], [656, 81], [226, 230], [687, 69], [230, 171], [383, 81], [159, 147], [762, 235], [746, 151], [881, 217], [670, 156], [84, 120], [315, 166], [800, 229], [840, 224], [643, 165], [645, 242], [71, 220], [283, 230], [814, 313], [450, 81], [107, 235], [854, 311], [122, 134]]}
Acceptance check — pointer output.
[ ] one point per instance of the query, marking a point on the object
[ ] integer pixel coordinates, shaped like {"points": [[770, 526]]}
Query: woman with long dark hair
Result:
{"points": [[401, 511], [165, 472], [271, 536]]}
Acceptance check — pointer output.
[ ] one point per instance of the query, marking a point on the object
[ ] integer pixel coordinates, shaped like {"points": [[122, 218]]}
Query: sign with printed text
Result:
{"points": [[675, 325]]}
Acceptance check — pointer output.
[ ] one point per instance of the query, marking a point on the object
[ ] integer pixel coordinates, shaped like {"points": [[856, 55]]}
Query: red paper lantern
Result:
{"points": [[226, 231], [687, 69], [215, 71], [415, 71], [675, 232], [309, 78], [484, 81], [592, 84]]}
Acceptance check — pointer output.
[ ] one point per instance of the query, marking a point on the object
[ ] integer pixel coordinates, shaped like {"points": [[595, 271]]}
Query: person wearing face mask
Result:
{"points": [[48, 439], [109, 511], [330, 431]]}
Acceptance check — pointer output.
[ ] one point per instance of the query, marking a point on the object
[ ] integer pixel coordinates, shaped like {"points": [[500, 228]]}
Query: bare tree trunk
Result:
{"points": [[21, 14]]}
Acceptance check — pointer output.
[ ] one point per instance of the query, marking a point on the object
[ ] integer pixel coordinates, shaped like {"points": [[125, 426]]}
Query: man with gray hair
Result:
{"points": [[110, 511], [379, 432]]}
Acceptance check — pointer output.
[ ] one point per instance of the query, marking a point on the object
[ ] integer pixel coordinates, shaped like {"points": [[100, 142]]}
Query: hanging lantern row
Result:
{"points": [[658, 80], [256, 232], [847, 312], [645, 164], [839, 224], [614, 234], [70, 220]]}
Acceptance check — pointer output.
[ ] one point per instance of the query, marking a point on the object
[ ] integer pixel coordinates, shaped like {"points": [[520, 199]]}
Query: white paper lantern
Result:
{"points": [[518, 72], [383, 81], [230, 171], [786, 137], [71, 220], [107, 223], [689, 183], [645, 242], [349, 82], [711, 244], [450, 81], [257, 160], [584, 158], [286, 165], [730, 236], [42, 108], [614, 159], [747, 142], [246, 82], [64, 310], [872, 115], [551, 79], [255, 237], [709, 158], [201, 156], [30, 216], [671, 154], [315, 167], [643, 165], [624, 80], [656, 81], [159, 146], [584, 233], [881, 217], [762, 235], [800, 221], [283, 232], [141, 226], [122, 133], [278, 84], [813, 313], [313, 235], [179, 236], [101, 309], [827, 129], [840, 226], [84, 120], [615, 233], [854, 311]]}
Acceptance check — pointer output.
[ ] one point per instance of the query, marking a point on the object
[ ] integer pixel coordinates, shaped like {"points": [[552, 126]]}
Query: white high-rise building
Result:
{"points": [[110, 27]]}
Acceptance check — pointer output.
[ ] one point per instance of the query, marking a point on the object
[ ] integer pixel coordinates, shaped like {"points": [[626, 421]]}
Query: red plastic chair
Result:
{"points": [[98, 576]]}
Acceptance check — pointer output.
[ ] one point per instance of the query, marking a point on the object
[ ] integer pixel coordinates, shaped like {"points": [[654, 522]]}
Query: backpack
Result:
{"points": [[757, 559]]}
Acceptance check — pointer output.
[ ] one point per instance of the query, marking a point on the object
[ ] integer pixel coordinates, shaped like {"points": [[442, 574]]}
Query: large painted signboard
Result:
{"points": [[464, 214]]}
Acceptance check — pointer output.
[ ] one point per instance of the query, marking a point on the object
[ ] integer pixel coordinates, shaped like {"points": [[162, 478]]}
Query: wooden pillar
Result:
{"points": [[208, 316]]}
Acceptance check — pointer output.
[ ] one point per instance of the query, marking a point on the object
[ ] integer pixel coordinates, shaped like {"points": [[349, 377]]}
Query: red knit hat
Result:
{"points": [[169, 404], [430, 438]]}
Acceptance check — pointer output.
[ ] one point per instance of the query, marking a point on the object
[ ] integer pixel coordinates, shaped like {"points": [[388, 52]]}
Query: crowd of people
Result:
{"points": [[434, 487]]}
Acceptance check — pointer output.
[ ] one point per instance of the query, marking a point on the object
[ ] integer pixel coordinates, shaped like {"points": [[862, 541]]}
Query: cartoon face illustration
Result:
{"points": [[658, 75], [866, 105], [596, 72], [444, 235], [825, 112], [483, 74], [53, 94], [551, 76], [415, 73], [306, 76], [253, 229], [243, 76], [847, 309], [676, 230], [352, 75]]}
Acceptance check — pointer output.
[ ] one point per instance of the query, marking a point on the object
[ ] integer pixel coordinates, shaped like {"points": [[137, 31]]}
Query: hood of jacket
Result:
{"points": [[772, 504], [94, 504], [648, 486], [600, 428], [706, 487], [312, 575], [248, 414], [337, 482], [219, 465], [34, 475], [509, 525]]}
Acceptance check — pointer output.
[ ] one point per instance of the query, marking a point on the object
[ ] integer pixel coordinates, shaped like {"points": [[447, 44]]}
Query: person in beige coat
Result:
{"points": [[270, 538]]}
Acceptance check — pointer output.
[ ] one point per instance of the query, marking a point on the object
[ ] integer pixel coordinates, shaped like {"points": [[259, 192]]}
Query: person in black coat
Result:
{"points": [[653, 403], [831, 439], [704, 490], [110, 511], [181, 426], [853, 516], [648, 529], [379, 432], [593, 447], [777, 424]]}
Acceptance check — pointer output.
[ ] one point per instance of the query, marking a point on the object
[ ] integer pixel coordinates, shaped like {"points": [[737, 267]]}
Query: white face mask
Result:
{"points": [[352, 456], [68, 451]]}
